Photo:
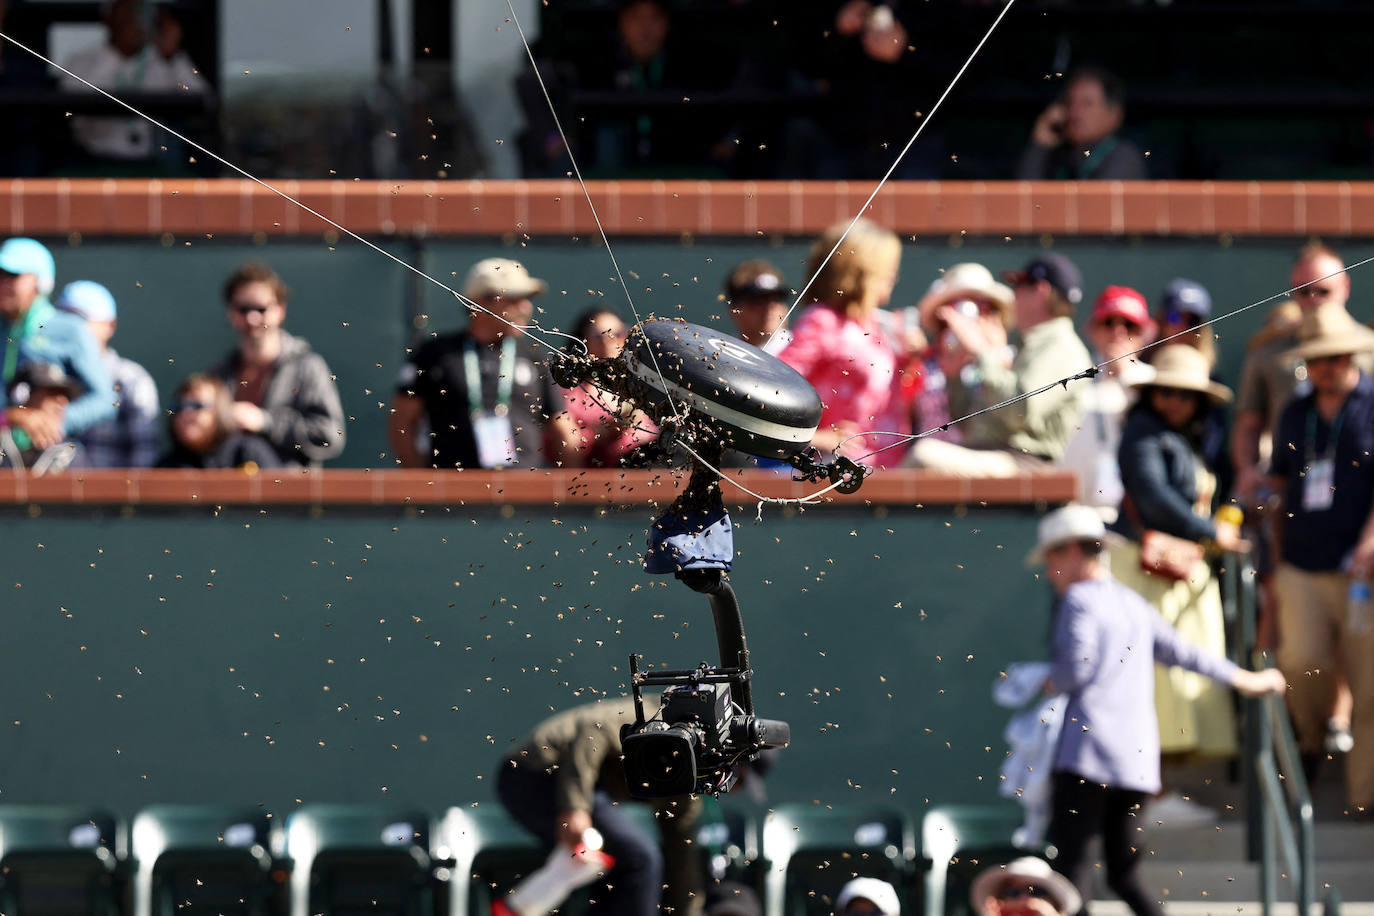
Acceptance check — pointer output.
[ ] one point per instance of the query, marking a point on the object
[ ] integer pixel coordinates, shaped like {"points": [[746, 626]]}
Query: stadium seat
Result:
{"points": [[729, 838], [486, 853], [359, 858], [59, 861], [208, 857], [957, 841], [811, 851]]}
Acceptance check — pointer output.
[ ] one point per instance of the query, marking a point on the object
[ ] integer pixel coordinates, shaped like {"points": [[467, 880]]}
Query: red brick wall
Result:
{"points": [[671, 208]]}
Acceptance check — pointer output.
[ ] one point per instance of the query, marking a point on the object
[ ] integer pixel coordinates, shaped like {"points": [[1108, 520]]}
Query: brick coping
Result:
{"points": [[191, 208], [402, 488]]}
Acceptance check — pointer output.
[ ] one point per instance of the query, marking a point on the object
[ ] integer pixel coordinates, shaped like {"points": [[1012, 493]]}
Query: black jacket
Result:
{"points": [[1159, 472]]}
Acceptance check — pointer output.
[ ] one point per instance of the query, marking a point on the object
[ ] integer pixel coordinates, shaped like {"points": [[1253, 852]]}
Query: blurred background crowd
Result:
{"points": [[757, 89]]}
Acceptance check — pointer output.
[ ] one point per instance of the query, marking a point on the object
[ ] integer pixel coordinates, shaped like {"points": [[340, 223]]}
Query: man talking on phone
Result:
{"points": [[1077, 137]]}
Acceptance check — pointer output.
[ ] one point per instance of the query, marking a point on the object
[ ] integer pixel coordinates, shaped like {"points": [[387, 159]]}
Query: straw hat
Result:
{"points": [[1074, 522], [1328, 330], [966, 281], [1182, 366], [1030, 870]]}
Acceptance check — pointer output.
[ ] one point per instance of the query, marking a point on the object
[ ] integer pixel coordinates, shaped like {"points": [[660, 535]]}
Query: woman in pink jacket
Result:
{"points": [[847, 348]]}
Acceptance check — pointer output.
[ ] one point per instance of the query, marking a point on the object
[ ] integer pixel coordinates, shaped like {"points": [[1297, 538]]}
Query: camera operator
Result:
{"points": [[566, 776]]}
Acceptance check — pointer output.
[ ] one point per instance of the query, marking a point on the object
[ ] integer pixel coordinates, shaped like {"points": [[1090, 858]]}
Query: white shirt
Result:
{"points": [[128, 137], [1092, 448]]}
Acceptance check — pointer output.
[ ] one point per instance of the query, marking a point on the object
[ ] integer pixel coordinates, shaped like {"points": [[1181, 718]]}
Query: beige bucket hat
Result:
{"points": [[1329, 330], [966, 280], [1182, 366]]}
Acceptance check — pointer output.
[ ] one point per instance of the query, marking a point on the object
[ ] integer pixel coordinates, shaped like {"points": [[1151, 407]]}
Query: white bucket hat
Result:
{"points": [[882, 894], [1074, 522], [1031, 870], [502, 278]]}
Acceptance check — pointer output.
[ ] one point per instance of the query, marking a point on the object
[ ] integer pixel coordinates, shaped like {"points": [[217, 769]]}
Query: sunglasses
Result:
{"points": [[244, 308], [1186, 319], [1116, 321], [1020, 891], [1180, 393], [188, 404], [1315, 291]]}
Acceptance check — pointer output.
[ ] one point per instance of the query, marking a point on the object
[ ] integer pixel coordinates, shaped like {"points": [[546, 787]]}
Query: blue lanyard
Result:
{"points": [[505, 378]]}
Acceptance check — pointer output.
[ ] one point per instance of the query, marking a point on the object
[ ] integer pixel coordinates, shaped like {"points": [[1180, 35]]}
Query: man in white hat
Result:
{"points": [[1023, 887], [1032, 433], [868, 897], [1323, 472], [1107, 763], [484, 393]]}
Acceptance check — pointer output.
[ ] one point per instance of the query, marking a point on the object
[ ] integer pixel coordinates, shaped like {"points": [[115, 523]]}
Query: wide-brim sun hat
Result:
{"points": [[501, 278], [1330, 330], [1066, 525], [882, 894], [1184, 367], [966, 281], [1031, 870]]}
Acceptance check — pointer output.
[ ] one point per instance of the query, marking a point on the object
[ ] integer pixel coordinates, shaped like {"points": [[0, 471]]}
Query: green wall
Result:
{"points": [[359, 308], [183, 656], [266, 657]]}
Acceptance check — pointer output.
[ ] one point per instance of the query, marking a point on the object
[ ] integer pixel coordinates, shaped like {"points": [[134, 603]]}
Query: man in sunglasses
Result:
{"points": [[1268, 380], [283, 390], [1023, 887]]}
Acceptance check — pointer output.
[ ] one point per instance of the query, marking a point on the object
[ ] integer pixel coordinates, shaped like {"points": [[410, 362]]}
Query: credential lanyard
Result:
{"points": [[505, 380], [1332, 440]]}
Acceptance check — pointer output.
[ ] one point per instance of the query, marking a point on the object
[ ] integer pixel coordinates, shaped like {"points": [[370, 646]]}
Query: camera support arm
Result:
{"points": [[729, 626]]}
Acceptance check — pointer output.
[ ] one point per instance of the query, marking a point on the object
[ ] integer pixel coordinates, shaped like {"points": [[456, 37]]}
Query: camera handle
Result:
{"points": [[729, 626]]}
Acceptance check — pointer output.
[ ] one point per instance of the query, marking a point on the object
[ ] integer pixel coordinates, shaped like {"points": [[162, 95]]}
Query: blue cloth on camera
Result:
{"points": [[691, 539]]}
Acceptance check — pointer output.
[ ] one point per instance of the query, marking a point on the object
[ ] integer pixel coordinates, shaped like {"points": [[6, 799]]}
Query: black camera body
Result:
{"points": [[698, 738]]}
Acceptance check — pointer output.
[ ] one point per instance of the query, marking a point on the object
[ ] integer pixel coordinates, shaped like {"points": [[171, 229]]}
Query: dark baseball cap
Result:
{"points": [[1186, 297], [36, 375], [755, 280], [1057, 270]]}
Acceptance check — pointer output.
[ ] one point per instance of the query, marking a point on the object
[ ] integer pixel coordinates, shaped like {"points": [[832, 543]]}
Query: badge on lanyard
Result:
{"points": [[1319, 480], [495, 439], [1318, 485], [492, 428]]}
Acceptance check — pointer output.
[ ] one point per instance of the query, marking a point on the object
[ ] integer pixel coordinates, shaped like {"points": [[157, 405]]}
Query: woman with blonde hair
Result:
{"points": [[845, 347]]}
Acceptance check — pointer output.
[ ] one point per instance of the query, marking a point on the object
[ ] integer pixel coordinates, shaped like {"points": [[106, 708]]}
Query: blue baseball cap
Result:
{"points": [[1187, 298], [88, 299], [27, 256]]}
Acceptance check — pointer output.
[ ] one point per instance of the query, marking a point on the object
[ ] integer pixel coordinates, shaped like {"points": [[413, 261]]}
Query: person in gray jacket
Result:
{"points": [[1106, 642], [283, 391]]}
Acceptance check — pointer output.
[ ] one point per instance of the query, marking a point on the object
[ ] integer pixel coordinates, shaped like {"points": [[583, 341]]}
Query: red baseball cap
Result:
{"points": [[1123, 302]]}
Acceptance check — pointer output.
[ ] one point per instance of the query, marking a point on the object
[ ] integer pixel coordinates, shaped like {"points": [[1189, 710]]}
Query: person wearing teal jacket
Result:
{"points": [[33, 330]]}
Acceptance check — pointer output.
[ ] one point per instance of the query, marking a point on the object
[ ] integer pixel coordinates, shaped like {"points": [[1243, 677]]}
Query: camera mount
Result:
{"points": [[708, 392]]}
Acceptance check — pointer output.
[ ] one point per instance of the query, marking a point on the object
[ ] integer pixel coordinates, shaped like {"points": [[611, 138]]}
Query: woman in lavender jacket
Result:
{"points": [[1106, 642]]}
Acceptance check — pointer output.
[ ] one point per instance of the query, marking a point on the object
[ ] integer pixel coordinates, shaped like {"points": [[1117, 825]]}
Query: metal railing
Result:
{"points": [[1280, 819]]}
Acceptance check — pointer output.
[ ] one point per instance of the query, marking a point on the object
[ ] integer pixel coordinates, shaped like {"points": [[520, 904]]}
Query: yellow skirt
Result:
{"points": [[1195, 713]]}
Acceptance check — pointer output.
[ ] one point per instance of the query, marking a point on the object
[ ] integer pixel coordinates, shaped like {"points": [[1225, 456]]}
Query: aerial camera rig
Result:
{"points": [[707, 393]]}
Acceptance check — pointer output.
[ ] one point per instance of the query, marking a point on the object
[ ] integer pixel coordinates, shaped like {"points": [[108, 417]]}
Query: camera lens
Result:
{"points": [[661, 763]]}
